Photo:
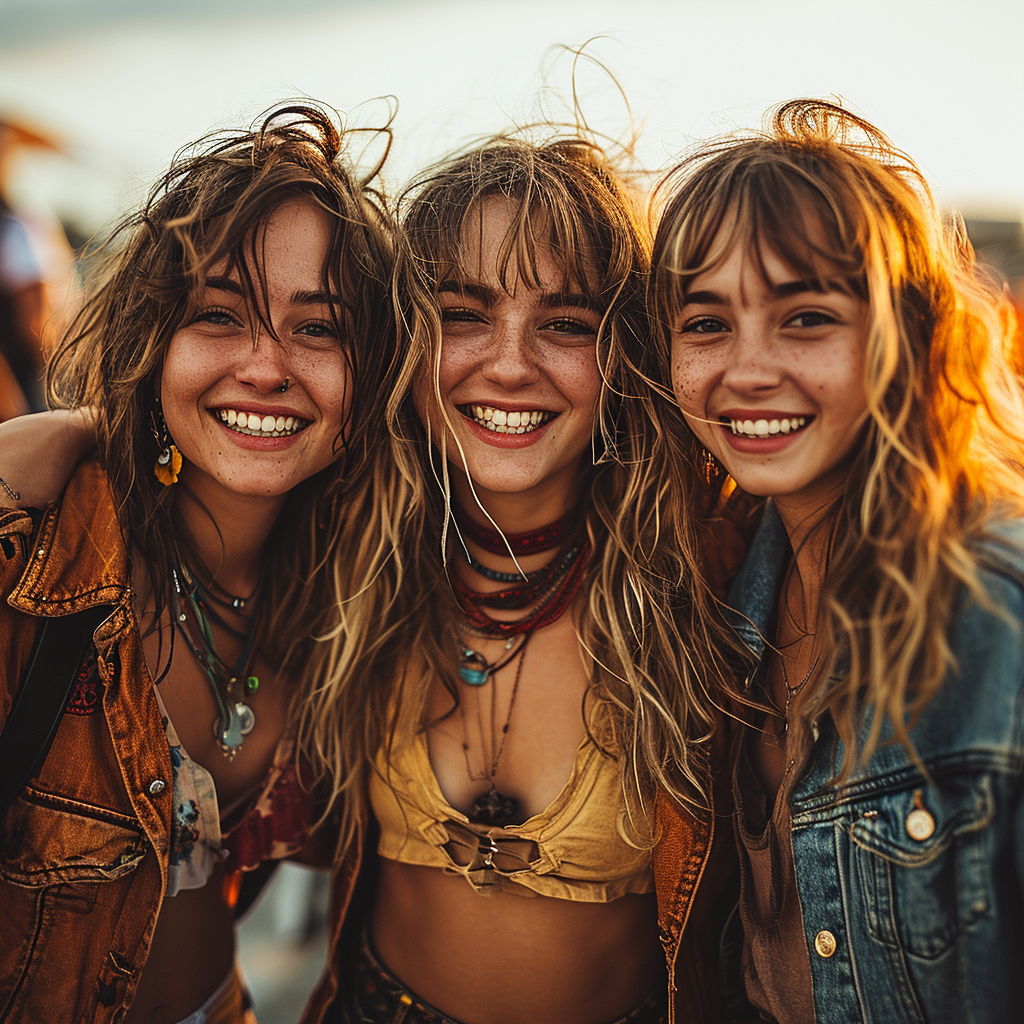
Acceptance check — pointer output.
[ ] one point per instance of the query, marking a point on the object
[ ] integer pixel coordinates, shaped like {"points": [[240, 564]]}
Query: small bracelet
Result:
{"points": [[15, 496]]}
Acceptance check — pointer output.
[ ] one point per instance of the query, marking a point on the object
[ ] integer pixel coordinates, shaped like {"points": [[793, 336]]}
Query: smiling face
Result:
{"points": [[518, 374], [220, 388], [777, 366]]}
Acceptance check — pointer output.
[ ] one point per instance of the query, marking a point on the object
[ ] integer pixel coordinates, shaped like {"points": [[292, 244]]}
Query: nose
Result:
{"points": [[510, 360], [753, 365], [264, 365]]}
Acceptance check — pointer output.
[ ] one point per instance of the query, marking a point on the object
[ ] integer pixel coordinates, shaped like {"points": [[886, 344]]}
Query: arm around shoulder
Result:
{"points": [[38, 454]]}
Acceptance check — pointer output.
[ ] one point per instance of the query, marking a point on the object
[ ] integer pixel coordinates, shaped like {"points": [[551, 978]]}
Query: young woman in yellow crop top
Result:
{"points": [[518, 721]]}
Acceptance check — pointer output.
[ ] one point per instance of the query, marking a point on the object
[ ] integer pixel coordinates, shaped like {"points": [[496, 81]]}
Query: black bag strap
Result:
{"points": [[60, 645]]}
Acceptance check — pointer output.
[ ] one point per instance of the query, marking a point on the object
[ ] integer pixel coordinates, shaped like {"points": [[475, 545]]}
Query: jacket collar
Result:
{"points": [[78, 559], [753, 593]]}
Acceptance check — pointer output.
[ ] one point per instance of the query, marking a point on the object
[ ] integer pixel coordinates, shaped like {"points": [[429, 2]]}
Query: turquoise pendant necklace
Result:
{"points": [[476, 670]]}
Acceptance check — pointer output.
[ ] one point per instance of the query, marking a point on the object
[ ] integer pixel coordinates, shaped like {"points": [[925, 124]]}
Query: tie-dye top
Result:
{"points": [[277, 824]]}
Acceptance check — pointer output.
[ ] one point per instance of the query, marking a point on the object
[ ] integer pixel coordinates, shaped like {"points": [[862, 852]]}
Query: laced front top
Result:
{"points": [[574, 849]]}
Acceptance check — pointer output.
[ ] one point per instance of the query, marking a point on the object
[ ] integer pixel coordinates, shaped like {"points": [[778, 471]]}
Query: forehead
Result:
{"points": [[760, 250], [287, 249], [504, 246]]}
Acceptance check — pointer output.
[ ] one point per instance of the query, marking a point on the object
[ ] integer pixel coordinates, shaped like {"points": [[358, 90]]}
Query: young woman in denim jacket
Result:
{"points": [[834, 349], [235, 349]]}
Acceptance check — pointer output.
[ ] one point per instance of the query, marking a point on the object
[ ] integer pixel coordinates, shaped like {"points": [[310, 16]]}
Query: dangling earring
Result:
{"points": [[168, 460], [709, 465]]}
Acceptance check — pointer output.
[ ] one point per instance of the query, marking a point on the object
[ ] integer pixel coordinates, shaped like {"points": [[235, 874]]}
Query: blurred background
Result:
{"points": [[96, 96]]}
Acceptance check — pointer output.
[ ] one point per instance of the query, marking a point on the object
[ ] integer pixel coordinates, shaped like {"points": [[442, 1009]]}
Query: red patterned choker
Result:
{"points": [[547, 537]]}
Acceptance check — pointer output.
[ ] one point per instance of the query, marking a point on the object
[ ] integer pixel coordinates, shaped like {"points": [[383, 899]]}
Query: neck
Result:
{"points": [[807, 527], [520, 511], [228, 530]]}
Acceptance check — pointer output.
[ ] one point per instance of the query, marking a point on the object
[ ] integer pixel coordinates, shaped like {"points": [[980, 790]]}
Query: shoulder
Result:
{"points": [[1000, 549], [78, 554]]}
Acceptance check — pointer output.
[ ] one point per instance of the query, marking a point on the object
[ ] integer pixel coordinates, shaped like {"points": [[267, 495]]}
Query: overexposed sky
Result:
{"points": [[126, 82]]}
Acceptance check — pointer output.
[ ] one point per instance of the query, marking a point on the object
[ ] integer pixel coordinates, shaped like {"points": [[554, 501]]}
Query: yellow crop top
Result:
{"points": [[572, 850]]}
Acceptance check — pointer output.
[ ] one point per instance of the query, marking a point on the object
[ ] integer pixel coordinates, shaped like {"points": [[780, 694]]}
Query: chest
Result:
{"points": [[188, 695], [518, 732]]}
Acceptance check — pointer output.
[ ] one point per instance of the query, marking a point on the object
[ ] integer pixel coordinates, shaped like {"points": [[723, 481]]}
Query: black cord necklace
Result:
{"points": [[230, 684]]}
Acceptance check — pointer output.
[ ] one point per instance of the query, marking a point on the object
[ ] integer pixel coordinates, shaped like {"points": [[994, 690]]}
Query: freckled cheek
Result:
{"points": [[327, 378], [578, 378], [689, 384]]}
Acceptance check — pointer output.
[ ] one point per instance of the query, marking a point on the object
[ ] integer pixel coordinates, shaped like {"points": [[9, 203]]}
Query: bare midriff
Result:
{"points": [[510, 959], [193, 950]]}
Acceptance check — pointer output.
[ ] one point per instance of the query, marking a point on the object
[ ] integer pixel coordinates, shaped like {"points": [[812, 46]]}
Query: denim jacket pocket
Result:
{"points": [[51, 840], [920, 861]]}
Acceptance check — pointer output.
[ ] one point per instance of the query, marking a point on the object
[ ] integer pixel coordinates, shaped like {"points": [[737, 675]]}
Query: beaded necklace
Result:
{"points": [[550, 589]]}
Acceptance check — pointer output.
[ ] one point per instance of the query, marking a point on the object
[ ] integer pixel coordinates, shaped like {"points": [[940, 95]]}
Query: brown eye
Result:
{"points": [[216, 317], [460, 315], [810, 318], [704, 325]]}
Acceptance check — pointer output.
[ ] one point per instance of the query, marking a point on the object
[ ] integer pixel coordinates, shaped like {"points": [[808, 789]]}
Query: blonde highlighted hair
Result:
{"points": [[943, 447], [566, 193]]}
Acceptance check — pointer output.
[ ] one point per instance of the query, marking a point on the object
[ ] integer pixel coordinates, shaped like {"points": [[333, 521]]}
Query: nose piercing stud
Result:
{"points": [[286, 385]]}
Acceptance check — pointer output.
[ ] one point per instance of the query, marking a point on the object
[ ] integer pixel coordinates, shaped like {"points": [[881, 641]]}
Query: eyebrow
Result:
{"points": [[489, 296], [299, 298], [779, 291]]}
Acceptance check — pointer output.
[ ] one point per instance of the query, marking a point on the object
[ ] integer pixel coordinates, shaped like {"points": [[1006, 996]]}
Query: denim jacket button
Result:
{"points": [[825, 944], [156, 787], [920, 825]]}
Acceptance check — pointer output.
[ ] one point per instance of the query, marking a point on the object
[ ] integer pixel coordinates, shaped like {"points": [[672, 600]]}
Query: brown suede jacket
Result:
{"points": [[84, 849]]}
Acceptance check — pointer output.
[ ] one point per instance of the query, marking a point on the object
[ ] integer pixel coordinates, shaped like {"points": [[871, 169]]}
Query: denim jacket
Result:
{"points": [[911, 883]]}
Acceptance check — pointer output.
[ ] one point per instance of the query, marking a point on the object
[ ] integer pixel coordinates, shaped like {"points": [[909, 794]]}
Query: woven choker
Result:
{"points": [[547, 537]]}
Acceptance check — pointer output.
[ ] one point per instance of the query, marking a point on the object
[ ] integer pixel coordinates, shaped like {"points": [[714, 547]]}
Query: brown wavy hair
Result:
{"points": [[943, 448], [209, 208]]}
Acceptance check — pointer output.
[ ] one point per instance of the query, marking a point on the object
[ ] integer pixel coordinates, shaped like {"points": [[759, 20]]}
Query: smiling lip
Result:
{"points": [[762, 431], [504, 427], [268, 429]]}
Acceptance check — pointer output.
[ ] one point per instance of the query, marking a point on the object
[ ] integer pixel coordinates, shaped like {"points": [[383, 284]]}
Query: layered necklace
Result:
{"points": [[195, 614], [548, 591]]}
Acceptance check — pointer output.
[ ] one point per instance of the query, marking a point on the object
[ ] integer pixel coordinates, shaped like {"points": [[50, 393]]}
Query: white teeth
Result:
{"points": [[766, 428], [503, 422], [261, 426]]}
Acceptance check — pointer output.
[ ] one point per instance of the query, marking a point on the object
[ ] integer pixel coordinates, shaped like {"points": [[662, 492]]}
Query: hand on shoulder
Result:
{"points": [[38, 454]]}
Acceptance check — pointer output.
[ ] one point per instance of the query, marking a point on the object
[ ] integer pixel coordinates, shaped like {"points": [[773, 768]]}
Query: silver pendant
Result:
{"points": [[239, 724], [246, 717]]}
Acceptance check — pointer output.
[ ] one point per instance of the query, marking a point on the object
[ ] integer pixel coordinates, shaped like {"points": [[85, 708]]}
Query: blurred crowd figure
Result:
{"points": [[37, 283]]}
